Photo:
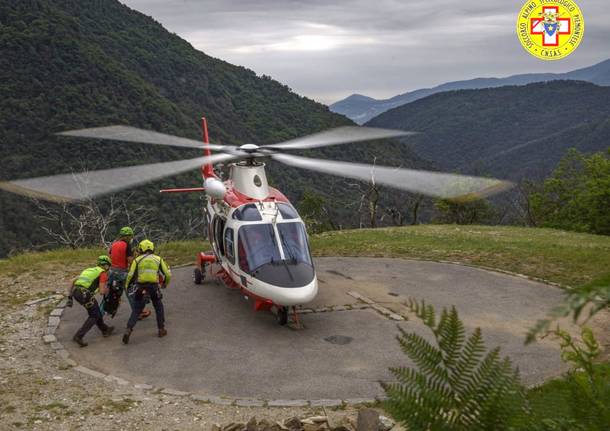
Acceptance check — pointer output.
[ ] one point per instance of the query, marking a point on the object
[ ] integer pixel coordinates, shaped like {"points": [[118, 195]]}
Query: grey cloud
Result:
{"points": [[379, 48]]}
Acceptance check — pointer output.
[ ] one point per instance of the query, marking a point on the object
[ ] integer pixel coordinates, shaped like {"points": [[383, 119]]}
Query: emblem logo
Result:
{"points": [[550, 29]]}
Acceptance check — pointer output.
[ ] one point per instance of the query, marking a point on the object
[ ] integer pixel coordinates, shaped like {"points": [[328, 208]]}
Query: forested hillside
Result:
{"points": [[509, 132], [68, 64]]}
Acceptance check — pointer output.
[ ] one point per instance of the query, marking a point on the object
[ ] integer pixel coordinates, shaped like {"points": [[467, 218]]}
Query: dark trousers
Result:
{"points": [[87, 300], [142, 293]]}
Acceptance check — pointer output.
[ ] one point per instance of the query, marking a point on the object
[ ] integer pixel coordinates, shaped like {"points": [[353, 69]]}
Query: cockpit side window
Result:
{"points": [[218, 225], [247, 212], [229, 249], [287, 211]]}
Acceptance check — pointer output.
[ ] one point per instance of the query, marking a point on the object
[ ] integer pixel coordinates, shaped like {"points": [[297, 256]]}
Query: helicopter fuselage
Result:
{"points": [[259, 240]]}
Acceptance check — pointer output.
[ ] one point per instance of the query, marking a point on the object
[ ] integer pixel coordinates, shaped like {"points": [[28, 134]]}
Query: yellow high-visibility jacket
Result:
{"points": [[145, 269], [91, 278]]}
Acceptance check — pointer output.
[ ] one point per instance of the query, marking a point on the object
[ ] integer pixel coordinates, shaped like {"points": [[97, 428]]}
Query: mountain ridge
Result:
{"points": [[504, 131], [365, 108], [64, 66]]}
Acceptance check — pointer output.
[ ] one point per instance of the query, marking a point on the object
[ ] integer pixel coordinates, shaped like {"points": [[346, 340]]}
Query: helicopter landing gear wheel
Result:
{"points": [[282, 315], [198, 275]]}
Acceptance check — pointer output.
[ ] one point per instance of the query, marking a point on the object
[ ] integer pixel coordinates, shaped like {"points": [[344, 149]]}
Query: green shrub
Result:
{"points": [[589, 385]]}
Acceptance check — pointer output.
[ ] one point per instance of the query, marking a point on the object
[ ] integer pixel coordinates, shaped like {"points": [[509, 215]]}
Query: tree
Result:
{"points": [[76, 225], [522, 202], [314, 211], [402, 206], [577, 195], [470, 212]]}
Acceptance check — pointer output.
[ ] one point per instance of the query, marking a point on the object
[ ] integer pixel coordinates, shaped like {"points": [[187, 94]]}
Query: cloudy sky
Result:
{"points": [[329, 49]]}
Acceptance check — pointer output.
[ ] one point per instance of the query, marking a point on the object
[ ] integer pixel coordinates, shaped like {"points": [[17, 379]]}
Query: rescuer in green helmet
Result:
{"points": [[122, 254], [145, 271], [84, 288]]}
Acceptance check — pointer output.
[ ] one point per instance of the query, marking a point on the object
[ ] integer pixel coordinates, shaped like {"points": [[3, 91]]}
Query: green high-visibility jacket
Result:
{"points": [[90, 278], [146, 268]]}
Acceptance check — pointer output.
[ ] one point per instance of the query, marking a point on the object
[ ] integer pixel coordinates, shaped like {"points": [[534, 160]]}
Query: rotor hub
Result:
{"points": [[249, 148]]}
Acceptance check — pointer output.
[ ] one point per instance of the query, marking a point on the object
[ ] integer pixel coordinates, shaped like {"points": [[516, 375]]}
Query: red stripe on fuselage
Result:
{"points": [[228, 280]]}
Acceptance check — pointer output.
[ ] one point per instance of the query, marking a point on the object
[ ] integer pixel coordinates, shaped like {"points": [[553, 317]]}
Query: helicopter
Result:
{"points": [[259, 241]]}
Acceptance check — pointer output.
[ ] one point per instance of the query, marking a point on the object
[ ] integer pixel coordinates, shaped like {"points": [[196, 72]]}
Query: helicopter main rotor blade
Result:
{"points": [[85, 185], [437, 184], [340, 135], [133, 134]]}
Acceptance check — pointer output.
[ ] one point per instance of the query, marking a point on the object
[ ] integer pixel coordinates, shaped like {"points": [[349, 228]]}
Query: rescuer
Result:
{"points": [[83, 289], [121, 253], [144, 272]]}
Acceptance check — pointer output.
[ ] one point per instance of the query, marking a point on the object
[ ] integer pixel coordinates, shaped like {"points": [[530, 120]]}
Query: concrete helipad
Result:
{"points": [[218, 346]]}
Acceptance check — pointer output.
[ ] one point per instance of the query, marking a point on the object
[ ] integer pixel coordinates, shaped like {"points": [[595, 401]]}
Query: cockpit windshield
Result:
{"points": [[257, 246], [260, 256], [294, 242]]}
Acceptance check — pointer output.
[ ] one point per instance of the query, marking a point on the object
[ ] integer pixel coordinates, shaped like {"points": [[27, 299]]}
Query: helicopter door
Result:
{"points": [[218, 225]]}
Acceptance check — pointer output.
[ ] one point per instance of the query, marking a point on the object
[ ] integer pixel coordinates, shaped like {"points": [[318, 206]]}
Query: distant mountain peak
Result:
{"points": [[358, 97]]}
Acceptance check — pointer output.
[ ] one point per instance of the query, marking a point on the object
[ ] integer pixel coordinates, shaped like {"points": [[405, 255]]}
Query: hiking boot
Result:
{"points": [[109, 330], [126, 336], [162, 332], [79, 340], [144, 314]]}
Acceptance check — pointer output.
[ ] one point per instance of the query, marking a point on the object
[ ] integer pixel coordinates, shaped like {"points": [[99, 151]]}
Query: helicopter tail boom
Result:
{"points": [[187, 190]]}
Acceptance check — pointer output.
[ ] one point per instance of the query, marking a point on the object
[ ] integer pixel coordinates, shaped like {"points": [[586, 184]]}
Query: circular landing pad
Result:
{"points": [[217, 345]]}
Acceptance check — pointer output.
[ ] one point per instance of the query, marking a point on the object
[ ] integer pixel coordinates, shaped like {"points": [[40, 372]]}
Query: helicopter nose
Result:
{"points": [[288, 296]]}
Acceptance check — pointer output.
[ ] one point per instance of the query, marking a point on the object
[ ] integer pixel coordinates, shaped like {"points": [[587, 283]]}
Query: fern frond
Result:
{"points": [[424, 312], [470, 356], [455, 385], [450, 335]]}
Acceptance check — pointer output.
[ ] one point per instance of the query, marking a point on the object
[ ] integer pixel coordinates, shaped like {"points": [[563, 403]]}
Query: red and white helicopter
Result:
{"points": [[259, 240]]}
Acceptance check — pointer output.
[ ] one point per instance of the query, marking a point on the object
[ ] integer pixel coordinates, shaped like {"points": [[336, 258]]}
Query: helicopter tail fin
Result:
{"points": [[207, 170]]}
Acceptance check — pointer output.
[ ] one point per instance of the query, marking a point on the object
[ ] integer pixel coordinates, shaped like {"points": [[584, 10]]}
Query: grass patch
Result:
{"points": [[111, 406], [56, 407], [176, 253], [26, 276], [121, 406], [8, 409], [567, 258]]}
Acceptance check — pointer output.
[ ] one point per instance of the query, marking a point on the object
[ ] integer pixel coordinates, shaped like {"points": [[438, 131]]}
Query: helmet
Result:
{"points": [[146, 245], [126, 231], [104, 260]]}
